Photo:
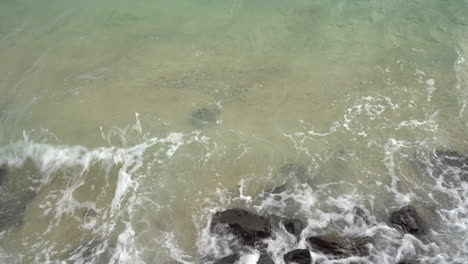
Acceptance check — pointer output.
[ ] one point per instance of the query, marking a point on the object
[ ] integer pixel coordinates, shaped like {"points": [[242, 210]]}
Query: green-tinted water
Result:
{"points": [[95, 121]]}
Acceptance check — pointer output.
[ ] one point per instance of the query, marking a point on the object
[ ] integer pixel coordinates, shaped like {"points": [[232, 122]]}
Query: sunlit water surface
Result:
{"points": [[99, 146]]}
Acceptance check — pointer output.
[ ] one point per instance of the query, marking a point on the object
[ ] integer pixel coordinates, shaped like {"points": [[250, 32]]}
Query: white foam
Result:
{"points": [[175, 252], [126, 252], [249, 259], [50, 160]]}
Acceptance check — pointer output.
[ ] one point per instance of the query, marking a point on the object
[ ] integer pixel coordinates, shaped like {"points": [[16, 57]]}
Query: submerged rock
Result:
{"points": [[454, 160], [408, 220], [361, 215], [92, 252], [279, 189], [299, 256], [3, 175], [12, 208], [293, 226], [265, 259], [248, 226], [340, 246], [294, 170], [276, 192], [17, 190], [231, 259], [203, 117], [90, 213]]}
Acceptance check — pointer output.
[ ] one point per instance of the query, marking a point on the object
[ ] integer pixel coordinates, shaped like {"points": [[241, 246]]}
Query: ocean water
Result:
{"points": [[105, 163]]}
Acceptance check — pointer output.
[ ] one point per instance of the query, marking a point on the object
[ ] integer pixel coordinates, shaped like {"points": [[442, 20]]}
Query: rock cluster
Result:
{"points": [[252, 228]]}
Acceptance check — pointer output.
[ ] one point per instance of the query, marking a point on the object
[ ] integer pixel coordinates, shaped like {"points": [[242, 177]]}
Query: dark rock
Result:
{"points": [[454, 160], [203, 117], [250, 227], [293, 226], [294, 170], [299, 256], [408, 220], [408, 262], [341, 246], [231, 259], [265, 259]]}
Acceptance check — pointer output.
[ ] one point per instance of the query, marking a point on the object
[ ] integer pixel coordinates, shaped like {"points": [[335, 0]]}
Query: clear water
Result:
{"points": [[95, 105]]}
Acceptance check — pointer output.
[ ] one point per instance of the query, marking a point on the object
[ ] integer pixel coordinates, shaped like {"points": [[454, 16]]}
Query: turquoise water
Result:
{"points": [[97, 137]]}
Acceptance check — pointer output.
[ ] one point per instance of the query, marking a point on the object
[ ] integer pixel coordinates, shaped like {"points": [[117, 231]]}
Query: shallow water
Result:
{"points": [[98, 139]]}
